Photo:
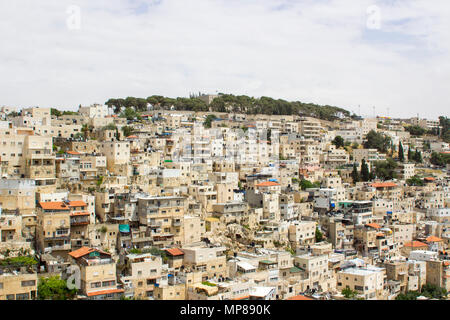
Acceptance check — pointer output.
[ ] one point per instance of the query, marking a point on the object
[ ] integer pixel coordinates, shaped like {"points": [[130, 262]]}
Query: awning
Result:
{"points": [[124, 228]]}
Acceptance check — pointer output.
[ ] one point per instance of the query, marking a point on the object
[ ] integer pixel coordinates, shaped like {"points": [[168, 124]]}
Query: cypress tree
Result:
{"points": [[401, 155], [364, 171], [355, 174]]}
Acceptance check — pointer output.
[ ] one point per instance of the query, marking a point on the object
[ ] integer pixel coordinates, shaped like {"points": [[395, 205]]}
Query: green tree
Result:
{"points": [[100, 181], [86, 130], [69, 113], [208, 120], [418, 156], [232, 103], [364, 171], [444, 122], [355, 174], [110, 126], [379, 141], [306, 184], [401, 155], [319, 235], [338, 142], [55, 112], [415, 181], [385, 170], [439, 159], [410, 295], [434, 292], [349, 293], [12, 114], [415, 130], [129, 113], [54, 288], [127, 131]]}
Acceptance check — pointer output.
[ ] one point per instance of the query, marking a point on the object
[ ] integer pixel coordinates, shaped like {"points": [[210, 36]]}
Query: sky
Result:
{"points": [[382, 57]]}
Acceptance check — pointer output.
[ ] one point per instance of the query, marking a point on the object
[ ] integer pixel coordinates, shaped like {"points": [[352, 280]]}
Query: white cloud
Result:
{"points": [[312, 51]]}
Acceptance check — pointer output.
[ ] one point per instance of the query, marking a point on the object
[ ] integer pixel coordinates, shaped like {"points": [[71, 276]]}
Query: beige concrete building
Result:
{"points": [[97, 273], [367, 281], [211, 261], [16, 285]]}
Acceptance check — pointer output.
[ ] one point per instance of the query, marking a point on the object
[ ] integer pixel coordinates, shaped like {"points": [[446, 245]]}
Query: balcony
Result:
{"points": [[58, 248], [155, 224], [41, 156], [176, 223], [79, 222]]}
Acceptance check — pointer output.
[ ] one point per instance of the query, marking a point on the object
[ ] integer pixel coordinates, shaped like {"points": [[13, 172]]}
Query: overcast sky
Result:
{"points": [[346, 53]]}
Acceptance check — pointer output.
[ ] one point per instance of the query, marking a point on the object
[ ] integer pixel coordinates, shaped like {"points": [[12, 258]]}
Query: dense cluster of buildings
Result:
{"points": [[168, 208]]}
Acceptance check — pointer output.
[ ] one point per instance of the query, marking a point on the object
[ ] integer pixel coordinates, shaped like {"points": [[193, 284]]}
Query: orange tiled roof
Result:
{"points": [[59, 205], [433, 239], [383, 184], [97, 293], [373, 225], [267, 184], [80, 214], [81, 252], [175, 252], [73, 152], [242, 298], [299, 297], [429, 178], [77, 203], [415, 244], [132, 137]]}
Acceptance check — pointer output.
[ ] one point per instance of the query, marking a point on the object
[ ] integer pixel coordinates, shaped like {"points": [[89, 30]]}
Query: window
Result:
{"points": [[1, 285], [96, 284], [9, 297], [108, 283], [28, 283], [22, 296]]}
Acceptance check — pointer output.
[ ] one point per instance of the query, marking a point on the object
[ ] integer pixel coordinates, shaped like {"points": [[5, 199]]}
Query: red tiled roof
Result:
{"points": [[373, 225], [59, 205], [242, 298], [77, 203], [84, 251], [383, 184], [108, 291], [429, 178], [267, 184], [415, 244], [73, 152], [81, 252], [80, 214], [299, 297], [175, 252], [132, 137], [433, 239]]}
